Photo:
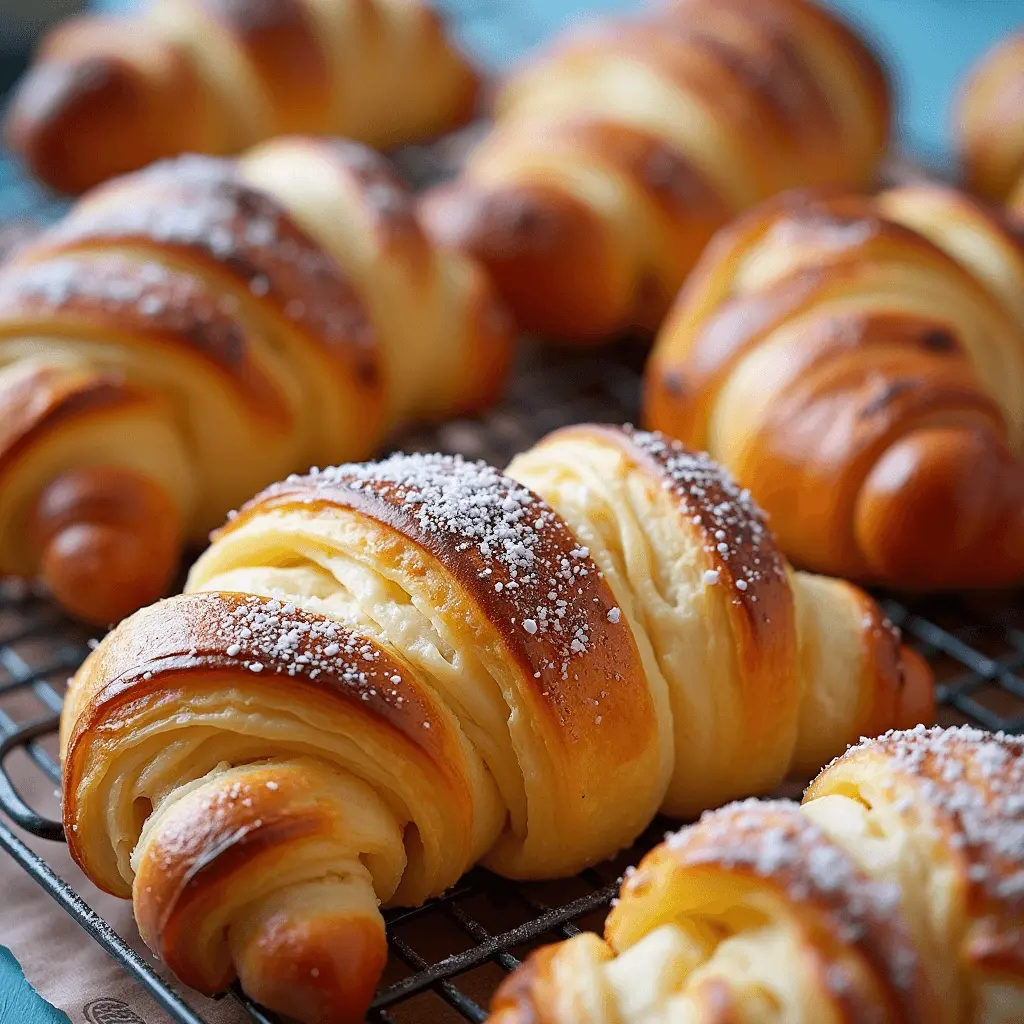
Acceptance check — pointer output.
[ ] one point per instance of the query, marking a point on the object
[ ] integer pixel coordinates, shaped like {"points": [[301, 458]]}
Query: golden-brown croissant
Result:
{"points": [[893, 895], [990, 123], [859, 365], [195, 331], [384, 673], [620, 152], [110, 95]]}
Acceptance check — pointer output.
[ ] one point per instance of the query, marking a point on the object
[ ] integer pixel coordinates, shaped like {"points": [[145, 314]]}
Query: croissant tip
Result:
{"points": [[109, 542]]}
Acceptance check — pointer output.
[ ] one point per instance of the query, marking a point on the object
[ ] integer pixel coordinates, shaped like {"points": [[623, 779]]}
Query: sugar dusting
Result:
{"points": [[277, 638], [515, 544], [201, 204], [972, 778], [774, 840], [738, 543], [976, 780]]}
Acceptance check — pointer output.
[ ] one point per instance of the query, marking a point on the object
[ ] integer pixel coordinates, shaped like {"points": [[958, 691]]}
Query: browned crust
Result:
{"points": [[543, 659], [296, 968], [49, 397], [281, 43], [386, 197], [687, 203], [892, 387], [990, 120], [160, 651], [766, 604], [996, 947], [550, 255], [89, 110], [490, 349], [524, 996], [665, 175], [554, 257], [249, 822], [780, 99], [469, 98], [184, 866], [971, 782], [889, 671], [996, 219], [183, 636], [773, 845], [199, 209], [855, 232], [958, 493], [139, 304], [877, 88]]}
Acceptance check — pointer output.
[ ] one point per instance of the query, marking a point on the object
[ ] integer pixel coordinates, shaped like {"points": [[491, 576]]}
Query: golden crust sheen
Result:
{"points": [[893, 894], [209, 76], [990, 124], [857, 363], [255, 316], [622, 147], [385, 673]]}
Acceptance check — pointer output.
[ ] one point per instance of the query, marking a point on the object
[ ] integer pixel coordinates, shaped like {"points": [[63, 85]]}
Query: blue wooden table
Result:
{"points": [[929, 44]]}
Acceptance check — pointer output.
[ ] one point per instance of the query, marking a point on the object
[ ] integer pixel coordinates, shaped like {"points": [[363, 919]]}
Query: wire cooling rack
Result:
{"points": [[449, 956]]}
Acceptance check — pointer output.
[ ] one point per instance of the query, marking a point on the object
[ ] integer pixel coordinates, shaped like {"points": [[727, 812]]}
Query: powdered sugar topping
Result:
{"points": [[774, 840], [511, 541], [737, 541], [202, 204], [975, 780], [274, 637]]}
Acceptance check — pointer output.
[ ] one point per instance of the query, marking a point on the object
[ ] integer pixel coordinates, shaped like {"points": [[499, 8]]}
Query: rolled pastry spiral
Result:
{"points": [[385, 673], [893, 895], [618, 153], [195, 331], [110, 95], [858, 363], [990, 124]]}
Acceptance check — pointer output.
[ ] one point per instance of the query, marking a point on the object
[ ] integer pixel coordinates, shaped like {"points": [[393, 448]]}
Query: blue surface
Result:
{"points": [[19, 1003], [929, 44]]}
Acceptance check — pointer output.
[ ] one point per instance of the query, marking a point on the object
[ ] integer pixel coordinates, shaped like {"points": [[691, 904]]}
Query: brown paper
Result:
{"points": [[61, 961]]}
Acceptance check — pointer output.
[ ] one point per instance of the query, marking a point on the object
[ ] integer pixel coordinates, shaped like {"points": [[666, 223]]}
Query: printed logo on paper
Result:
{"points": [[110, 1011]]}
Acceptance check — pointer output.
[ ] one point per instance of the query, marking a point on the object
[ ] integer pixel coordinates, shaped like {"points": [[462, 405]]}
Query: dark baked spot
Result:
{"points": [[939, 340], [886, 396], [675, 383], [367, 373]]}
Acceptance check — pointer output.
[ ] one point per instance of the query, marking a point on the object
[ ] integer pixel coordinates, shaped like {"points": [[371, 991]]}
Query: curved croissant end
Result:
{"points": [[190, 333], [858, 364], [105, 536], [614, 158], [990, 123], [386, 673], [893, 894], [216, 78]]}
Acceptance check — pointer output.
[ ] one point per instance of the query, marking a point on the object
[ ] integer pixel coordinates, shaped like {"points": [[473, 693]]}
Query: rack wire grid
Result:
{"points": [[448, 957]]}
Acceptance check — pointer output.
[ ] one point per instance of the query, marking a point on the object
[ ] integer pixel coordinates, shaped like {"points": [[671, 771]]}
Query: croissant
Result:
{"points": [[191, 333], [894, 894], [109, 95], [382, 674], [990, 124], [859, 364], [619, 153]]}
